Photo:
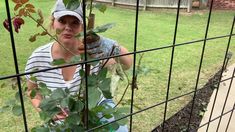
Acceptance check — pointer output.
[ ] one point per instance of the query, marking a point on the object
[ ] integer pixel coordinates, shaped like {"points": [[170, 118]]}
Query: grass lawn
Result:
{"points": [[156, 29]]}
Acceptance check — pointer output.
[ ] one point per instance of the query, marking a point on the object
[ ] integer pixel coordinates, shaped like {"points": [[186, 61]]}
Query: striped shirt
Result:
{"points": [[41, 59]]}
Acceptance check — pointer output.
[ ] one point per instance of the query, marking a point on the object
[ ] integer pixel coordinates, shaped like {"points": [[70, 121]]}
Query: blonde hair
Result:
{"points": [[52, 19]]}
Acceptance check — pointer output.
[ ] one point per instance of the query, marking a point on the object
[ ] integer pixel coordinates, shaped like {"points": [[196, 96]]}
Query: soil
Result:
{"points": [[179, 121]]}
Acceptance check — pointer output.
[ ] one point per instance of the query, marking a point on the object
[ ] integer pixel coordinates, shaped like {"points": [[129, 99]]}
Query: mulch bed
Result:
{"points": [[179, 121]]}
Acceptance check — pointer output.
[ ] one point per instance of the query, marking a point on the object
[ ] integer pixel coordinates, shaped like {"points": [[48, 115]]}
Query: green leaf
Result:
{"points": [[67, 91], [58, 62], [25, 89], [33, 93], [105, 84], [40, 129], [113, 126], [53, 112], [17, 110], [92, 80], [102, 73], [108, 116], [75, 59], [66, 2], [42, 85], [79, 106], [98, 108], [108, 109], [44, 116], [118, 116], [81, 73], [98, 29], [17, 95], [101, 7], [93, 97], [48, 104], [44, 90], [74, 119], [58, 94], [71, 104], [33, 78], [64, 102], [105, 88], [103, 28], [107, 94], [71, 4], [124, 110]]}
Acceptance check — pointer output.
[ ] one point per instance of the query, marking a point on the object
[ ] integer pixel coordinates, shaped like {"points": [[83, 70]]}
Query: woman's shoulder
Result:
{"points": [[41, 53], [44, 48]]}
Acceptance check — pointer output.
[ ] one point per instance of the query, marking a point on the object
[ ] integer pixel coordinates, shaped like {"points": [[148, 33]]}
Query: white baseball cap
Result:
{"points": [[60, 10]]}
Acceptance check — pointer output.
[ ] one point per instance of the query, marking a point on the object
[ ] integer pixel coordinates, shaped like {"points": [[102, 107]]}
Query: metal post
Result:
{"points": [[145, 5], [113, 2], [189, 6]]}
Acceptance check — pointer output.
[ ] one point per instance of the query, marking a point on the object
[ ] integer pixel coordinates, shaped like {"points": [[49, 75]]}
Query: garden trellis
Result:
{"points": [[134, 53]]}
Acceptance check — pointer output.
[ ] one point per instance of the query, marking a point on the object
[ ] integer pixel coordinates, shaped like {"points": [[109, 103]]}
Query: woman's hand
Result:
{"points": [[98, 46], [104, 47]]}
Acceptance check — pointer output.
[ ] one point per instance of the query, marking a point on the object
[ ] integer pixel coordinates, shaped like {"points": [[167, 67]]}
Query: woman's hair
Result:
{"points": [[52, 19]]}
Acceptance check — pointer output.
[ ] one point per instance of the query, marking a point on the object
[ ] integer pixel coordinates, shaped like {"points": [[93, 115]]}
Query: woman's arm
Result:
{"points": [[125, 60], [37, 99]]}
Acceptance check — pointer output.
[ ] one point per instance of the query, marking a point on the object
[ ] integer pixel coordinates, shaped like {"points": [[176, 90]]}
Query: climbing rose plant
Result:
{"points": [[62, 101]]}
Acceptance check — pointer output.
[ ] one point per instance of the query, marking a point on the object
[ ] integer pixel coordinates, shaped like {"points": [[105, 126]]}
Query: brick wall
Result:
{"points": [[223, 4]]}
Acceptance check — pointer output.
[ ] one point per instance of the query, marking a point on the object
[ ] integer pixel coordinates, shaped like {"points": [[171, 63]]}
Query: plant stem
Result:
{"points": [[128, 84], [50, 34], [90, 8]]}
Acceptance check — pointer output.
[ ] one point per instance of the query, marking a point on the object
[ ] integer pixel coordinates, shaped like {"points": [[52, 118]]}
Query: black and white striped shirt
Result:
{"points": [[41, 59]]}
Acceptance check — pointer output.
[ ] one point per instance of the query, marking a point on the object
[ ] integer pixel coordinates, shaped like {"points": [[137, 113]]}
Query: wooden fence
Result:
{"points": [[152, 3]]}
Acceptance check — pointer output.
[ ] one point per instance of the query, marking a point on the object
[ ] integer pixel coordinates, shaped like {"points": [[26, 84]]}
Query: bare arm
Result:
{"points": [[37, 99], [126, 60]]}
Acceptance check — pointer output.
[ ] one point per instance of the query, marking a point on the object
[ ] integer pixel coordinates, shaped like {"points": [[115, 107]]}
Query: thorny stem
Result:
{"points": [[127, 86], [90, 8], [139, 63], [50, 34], [106, 61], [128, 81]]}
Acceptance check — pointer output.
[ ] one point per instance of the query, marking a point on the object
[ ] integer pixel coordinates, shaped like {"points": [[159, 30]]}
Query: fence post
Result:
{"points": [[189, 6], [145, 5], [113, 2]]}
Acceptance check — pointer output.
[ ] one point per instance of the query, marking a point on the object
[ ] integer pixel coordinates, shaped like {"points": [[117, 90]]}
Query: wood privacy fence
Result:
{"points": [[151, 3]]}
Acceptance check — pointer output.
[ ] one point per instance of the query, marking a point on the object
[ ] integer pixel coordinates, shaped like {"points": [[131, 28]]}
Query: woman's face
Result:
{"points": [[69, 27]]}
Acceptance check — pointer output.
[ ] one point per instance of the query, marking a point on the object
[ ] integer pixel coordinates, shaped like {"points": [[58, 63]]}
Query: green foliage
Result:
{"points": [[58, 62], [95, 31], [101, 7], [17, 110], [75, 59], [72, 4], [40, 129]]}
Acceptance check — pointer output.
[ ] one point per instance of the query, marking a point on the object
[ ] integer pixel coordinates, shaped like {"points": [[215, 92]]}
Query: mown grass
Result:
{"points": [[156, 29]]}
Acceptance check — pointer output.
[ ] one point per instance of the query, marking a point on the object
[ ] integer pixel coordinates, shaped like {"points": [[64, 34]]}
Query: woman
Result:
{"points": [[70, 24]]}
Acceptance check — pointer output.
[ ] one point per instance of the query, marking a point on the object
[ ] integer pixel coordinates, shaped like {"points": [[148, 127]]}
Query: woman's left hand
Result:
{"points": [[101, 47]]}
